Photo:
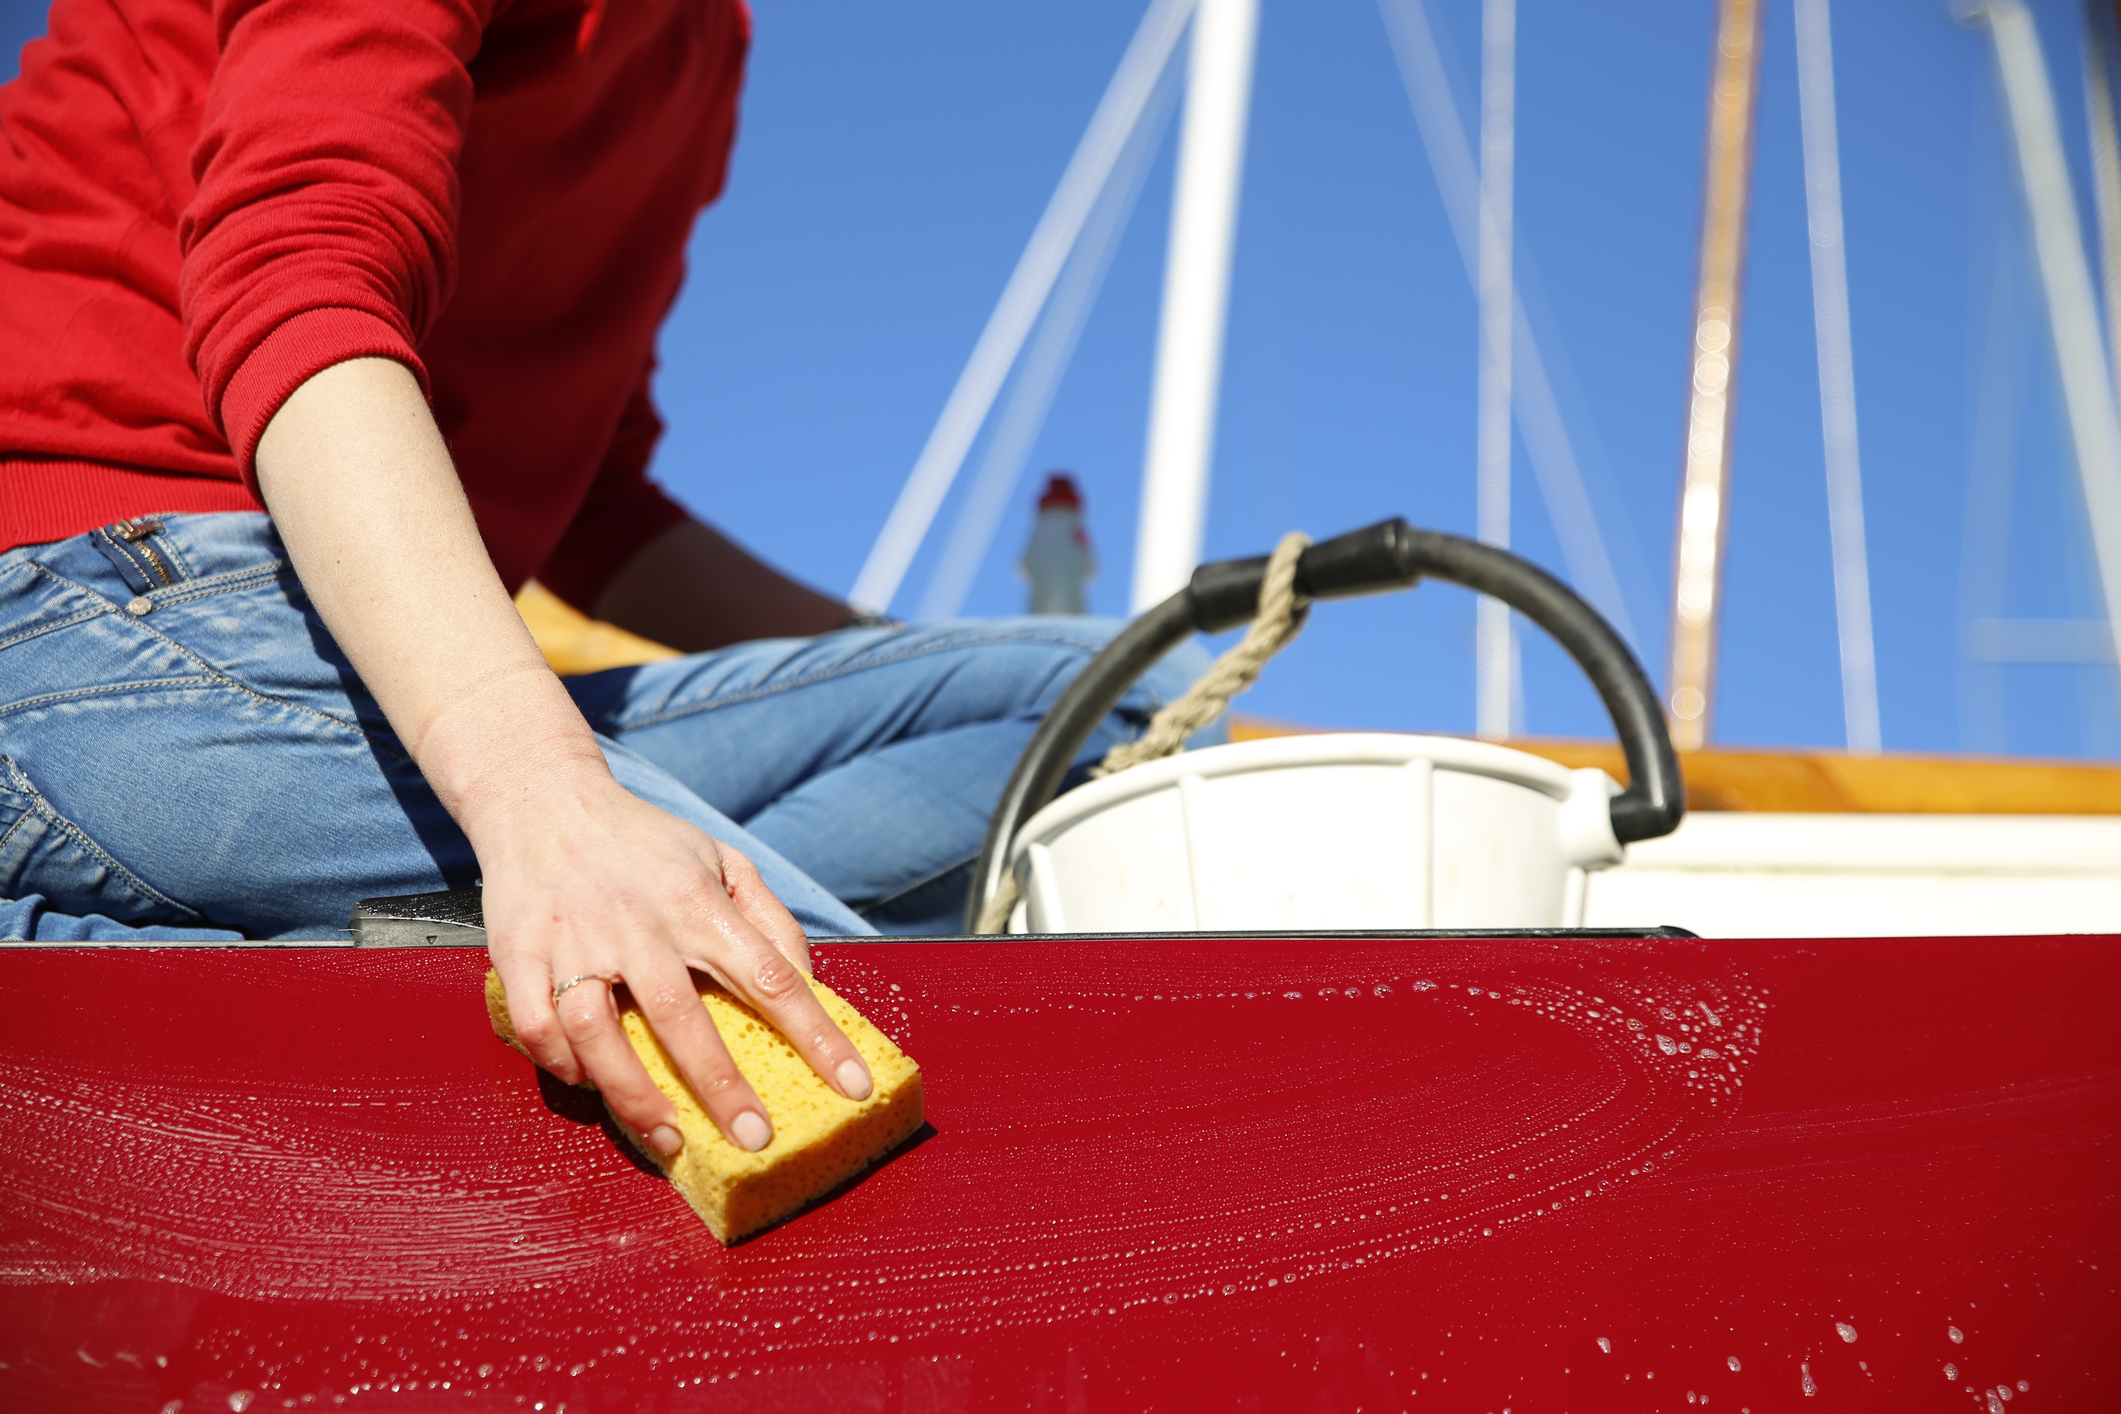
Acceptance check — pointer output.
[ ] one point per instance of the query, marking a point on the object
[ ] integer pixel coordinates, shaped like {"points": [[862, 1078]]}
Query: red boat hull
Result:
{"points": [[1450, 1174]]}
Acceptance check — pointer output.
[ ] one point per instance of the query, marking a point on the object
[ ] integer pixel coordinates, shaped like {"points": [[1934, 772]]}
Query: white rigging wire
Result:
{"points": [[2066, 282], [1023, 413], [1837, 377], [1022, 298], [2100, 39], [1495, 657], [1999, 408], [1546, 437]]}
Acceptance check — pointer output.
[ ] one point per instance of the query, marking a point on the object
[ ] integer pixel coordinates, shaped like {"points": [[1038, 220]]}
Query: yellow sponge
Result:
{"points": [[820, 1137]]}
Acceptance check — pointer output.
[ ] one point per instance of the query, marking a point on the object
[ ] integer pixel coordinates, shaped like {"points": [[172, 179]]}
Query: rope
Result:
{"points": [[995, 916], [1281, 616]]}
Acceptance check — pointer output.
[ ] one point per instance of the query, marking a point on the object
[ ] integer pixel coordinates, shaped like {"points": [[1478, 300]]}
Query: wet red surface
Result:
{"points": [[1429, 1174]]}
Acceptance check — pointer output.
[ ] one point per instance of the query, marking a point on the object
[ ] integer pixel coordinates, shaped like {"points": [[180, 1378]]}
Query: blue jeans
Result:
{"points": [[197, 760]]}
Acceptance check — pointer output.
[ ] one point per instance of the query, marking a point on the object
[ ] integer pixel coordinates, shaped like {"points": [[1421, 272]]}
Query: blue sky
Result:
{"points": [[893, 161]]}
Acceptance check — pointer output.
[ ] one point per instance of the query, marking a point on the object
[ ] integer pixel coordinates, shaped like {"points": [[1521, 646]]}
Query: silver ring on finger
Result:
{"points": [[609, 979]]}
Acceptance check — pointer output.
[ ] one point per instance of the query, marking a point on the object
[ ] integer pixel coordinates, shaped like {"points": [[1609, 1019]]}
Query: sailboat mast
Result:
{"points": [[1189, 344], [1704, 492]]}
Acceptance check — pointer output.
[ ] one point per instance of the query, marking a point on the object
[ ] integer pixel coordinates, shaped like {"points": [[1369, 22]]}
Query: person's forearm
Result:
{"points": [[693, 588], [363, 492], [584, 882]]}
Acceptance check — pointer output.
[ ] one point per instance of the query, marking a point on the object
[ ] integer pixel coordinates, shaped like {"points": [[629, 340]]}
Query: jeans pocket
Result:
{"points": [[42, 852]]}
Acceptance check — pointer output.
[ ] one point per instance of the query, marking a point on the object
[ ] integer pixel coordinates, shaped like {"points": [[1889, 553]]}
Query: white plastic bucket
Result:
{"points": [[1351, 830]]}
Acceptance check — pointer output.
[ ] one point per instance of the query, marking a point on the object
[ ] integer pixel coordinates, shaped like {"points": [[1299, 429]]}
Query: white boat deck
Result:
{"points": [[1732, 874]]}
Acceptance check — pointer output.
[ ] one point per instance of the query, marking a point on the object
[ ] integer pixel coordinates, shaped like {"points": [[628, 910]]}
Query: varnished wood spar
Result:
{"points": [[1833, 782], [1712, 366]]}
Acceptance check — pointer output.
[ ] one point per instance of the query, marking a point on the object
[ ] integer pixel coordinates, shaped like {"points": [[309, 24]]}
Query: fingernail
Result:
{"points": [[854, 1079], [666, 1141], [751, 1131]]}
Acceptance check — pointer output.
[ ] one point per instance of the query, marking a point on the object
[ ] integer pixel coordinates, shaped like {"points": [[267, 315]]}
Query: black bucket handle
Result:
{"points": [[1387, 556]]}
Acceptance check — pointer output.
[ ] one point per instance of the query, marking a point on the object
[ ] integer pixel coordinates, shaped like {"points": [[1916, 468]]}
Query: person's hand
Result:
{"points": [[586, 881]]}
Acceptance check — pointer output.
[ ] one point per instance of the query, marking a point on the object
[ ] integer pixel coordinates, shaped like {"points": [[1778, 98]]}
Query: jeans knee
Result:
{"points": [[1074, 642], [1067, 636], [1046, 653]]}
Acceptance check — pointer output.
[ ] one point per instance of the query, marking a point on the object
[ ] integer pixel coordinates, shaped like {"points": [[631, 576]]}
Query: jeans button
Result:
{"points": [[139, 606]]}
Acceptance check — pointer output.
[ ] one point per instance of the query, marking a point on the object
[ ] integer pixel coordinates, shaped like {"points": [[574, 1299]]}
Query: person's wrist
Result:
{"points": [[504, 745], [524, 793]]}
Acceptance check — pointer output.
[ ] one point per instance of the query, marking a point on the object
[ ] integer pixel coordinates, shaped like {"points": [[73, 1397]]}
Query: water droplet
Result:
{"points": [[1995, 1405], [1958, 1336], [1605, 1345], [1804, 1369], [2005, 1391], [1846, 1331], [1293, 996], [1668, 1045], [2023, 1386], [1710, 1053], [240, 1400], [1951, 1372], [1733, 1363], [1424, 986], [1380, 990]]}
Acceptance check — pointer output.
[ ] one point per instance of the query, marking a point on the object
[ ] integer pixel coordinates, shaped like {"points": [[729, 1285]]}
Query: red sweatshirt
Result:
{"points": [[205, 202]]}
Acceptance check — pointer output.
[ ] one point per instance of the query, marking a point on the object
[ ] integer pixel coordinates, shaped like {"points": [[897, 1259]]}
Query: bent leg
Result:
{"points": [[871, 760], [197, 755]]}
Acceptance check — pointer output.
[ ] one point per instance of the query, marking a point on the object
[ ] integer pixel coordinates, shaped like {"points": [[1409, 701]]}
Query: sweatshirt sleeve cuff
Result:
{"points": [[290, 356]]}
